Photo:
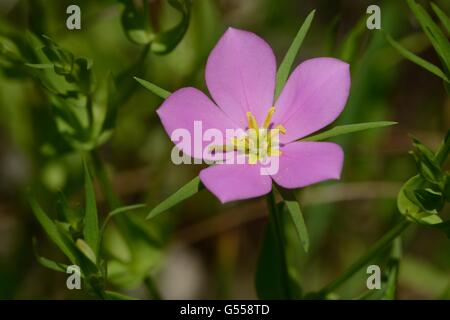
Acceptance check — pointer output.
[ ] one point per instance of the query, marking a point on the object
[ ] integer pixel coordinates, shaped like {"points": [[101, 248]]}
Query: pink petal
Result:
{"points": [[240, 75], [313, 97], [305, 163], [185, 106], [230, 182]]}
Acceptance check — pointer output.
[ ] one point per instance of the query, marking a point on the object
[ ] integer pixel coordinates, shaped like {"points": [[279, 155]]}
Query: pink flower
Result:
{"points": [[240, 75]]}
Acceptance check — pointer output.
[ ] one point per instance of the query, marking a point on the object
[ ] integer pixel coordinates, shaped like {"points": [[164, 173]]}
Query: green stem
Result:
{"points": [[152, 288], [374, 251], [274, 216], [122, 221], [90, 114]]}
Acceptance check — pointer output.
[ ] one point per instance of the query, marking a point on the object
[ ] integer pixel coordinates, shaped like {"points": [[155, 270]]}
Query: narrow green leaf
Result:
{"points": [[286, 64], [185, 192], [40, 65], [86, 250], [417, 60], [90, 230], [444, 150], [433, 32], [352, 41], [293, 207], [120, 210], [350, 128], [52, 231], [160, 92], [442, 16], [50, 264]]}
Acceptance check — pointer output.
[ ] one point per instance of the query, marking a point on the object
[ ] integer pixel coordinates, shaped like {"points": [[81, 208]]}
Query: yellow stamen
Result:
{"points": [[257, 143], [252, 124], [281, 128], [252, 158], [221, 148], [266, 123], [275, 152]]}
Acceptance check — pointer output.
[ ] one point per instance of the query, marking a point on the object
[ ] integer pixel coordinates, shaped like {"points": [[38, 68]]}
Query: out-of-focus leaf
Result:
{"points": [[417, 60], [90, 230], [427, 165], [135, 22], [332, 34], [64, 213], [444, 227], [350, 128], [286, 64], [444, 150], [118, 211], [353, 40], [430, 200], [39, 65], [83, 76], [293, 207], [153, 88], [52, 231], [447, 188], [442, 16], [412, 207], [117, 296], [111, 105], [405, 205], [86, 250], [50, 264], [142, 249], [185, 192], [166, 41], [433, 32], [393, 269]]}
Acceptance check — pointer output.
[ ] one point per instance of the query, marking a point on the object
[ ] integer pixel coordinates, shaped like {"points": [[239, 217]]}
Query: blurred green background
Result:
{"points": [[202, 249]]}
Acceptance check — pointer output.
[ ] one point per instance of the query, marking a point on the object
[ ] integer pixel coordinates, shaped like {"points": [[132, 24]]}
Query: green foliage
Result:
{"points": [[80, 243], [293, 207], [286, 64], [48, 263], [153, 88], [423, 196], [185, 192], [269, 271], [90, 230], [74, 111], [418, 60], [435, 35], [138, 28], [84, 111], [349, 128]]}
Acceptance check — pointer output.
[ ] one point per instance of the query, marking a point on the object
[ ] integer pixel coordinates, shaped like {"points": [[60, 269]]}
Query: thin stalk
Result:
{"points": [[152, 289], [122, 221], [90, 112], [274, 215], [374, 251]]}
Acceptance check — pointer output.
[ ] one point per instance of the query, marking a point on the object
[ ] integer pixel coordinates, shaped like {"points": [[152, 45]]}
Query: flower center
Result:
{"points": [[257, 143]]}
